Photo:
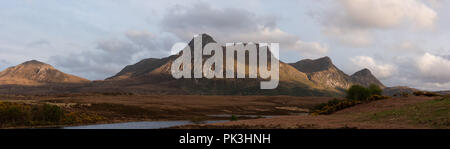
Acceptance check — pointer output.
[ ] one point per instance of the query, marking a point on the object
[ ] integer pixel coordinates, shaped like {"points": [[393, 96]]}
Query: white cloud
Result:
{"points": [[353, 21], [388, 13], [380, 70], [405, 48], [434, 68], [311, 47], [352, 37]]}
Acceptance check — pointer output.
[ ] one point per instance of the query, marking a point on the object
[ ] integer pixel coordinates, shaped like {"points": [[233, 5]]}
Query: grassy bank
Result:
{"points": [[355, 95], [433, 113], [14, 114]]}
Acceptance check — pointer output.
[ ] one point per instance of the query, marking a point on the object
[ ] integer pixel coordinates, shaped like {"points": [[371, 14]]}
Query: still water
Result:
{"points": [[140, 125]]}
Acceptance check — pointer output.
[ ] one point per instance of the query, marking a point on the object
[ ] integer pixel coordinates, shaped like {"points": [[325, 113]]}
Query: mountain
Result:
{"points": [[365, 77], [323, 71], [399, 90], [308, 77], [141, 68], [36, 73], [155, 74], [446, 92]]}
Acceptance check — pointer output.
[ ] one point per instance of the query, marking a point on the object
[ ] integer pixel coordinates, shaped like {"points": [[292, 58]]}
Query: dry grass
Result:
{"points": [[347, 118]]}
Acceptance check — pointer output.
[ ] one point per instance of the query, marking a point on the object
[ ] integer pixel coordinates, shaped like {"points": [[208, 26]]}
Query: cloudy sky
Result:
{"points": [[403, 42]]}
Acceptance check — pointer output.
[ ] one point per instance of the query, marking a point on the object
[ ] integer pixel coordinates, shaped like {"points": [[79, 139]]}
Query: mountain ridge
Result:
{"points": [[319, 77], [292, 76], [323, 71]]}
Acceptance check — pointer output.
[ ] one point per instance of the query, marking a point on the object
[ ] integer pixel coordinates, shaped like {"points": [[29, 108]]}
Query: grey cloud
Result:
{"points": [[147, 41], [110, 55], [201, 17], [234, 25]]}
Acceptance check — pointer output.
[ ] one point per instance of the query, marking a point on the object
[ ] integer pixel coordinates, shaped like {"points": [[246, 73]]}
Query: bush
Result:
{"points": [[377, 97], [333, 106], [374, 89], [14, 113], [234, 118], [405, 94], [358, 92], [50, 113], [20, 114]]}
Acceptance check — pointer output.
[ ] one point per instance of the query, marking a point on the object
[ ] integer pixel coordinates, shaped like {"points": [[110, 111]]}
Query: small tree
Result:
{"points": [[375, 89], [358, 92]]}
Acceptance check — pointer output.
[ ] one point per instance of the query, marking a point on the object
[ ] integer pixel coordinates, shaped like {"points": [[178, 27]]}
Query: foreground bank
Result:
{"points": [[394, 113]]}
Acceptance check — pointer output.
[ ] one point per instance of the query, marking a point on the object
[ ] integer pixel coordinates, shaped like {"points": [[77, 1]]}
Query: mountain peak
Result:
{"points": [[325, 59], [309, 65], [363, 72], [365, 78], [34, 62]]}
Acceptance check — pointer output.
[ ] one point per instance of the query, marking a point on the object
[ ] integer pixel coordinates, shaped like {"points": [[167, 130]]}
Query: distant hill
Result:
{"points": [[443, 92], [36, 73], [398, 90]]}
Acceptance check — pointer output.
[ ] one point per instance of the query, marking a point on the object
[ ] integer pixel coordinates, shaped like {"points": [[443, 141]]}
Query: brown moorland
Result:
{"points": [[416, 112], [123, 108]]}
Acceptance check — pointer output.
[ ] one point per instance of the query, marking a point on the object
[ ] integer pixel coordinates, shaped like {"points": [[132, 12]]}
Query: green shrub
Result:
{"points": [[358, 92], [50, 113], [20, 114], [234, 118], [374, 89], [377, 97], [14, 113], [405, 94], [333, 106]]}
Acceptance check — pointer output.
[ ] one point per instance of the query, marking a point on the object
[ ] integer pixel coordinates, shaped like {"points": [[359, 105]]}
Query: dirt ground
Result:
{"points": [[351, 118]]}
